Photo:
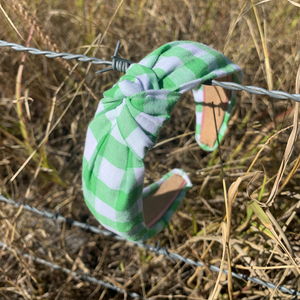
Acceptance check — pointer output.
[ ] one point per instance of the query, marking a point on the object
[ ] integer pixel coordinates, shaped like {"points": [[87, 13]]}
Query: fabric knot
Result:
{"points": [[127, 123]]}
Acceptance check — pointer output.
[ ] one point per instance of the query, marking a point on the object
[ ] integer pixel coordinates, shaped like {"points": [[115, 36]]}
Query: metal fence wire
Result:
{"points": [[74, 274], [120, 64], [158, 250]]}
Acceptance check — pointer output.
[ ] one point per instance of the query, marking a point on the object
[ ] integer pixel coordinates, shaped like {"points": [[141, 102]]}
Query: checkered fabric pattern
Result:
{"points": [[126, 125]]}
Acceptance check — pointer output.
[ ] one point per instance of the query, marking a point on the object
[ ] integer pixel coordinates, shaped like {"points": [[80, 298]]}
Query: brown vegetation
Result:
{"points": [[45, 102]]}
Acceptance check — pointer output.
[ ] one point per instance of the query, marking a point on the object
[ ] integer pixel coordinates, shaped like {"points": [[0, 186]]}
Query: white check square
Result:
{"points": [[110, 175]]}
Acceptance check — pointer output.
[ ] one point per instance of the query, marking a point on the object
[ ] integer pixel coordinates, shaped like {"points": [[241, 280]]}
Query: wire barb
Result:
{"points": [[163, 251], [118, 63]]}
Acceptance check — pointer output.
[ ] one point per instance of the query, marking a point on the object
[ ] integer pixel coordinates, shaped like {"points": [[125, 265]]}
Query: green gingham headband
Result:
{"points": [[126, 125]]}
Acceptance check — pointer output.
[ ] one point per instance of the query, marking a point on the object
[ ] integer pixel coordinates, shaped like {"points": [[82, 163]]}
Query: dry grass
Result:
{"points": [[45, 102]]}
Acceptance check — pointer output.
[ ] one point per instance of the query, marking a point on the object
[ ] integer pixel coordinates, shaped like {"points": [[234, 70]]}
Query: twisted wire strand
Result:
{"points": [[74, 274], [254, 90], [120, 64], [158, 250], [52, 54]]}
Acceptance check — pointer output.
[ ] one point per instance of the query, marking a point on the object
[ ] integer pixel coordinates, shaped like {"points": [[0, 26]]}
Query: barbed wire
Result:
{"points": [[120, 64], [158, 250], [70, 272]]}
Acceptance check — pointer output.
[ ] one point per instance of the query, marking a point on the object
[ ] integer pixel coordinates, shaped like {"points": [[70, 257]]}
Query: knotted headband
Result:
{"points": [[126, 125]]}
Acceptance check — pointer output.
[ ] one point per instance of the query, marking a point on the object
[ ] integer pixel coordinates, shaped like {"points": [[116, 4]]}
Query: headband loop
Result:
{"points": [[127, 123]]}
